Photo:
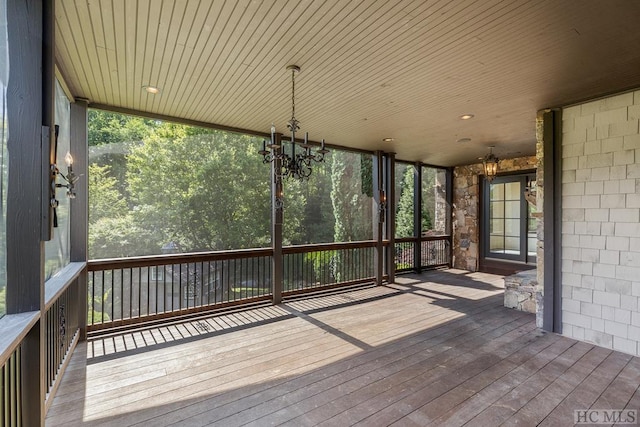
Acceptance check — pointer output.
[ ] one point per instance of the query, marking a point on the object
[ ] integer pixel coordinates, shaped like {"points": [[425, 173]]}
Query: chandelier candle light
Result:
{"points": [[294, 165]]}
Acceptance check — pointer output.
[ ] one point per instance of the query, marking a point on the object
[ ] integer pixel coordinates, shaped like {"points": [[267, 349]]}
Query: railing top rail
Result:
{"points": [[422, 238], [168, 259], [328, 246], [13, 329], [430, 238], [55, 286]]}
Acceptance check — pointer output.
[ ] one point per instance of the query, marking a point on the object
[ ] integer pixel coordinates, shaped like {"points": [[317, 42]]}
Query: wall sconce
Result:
{"points": [[68, 181], [490, 164], [70, 178], [382, 206]]}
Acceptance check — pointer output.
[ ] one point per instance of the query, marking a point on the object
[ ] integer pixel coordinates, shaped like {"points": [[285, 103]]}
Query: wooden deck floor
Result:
{"points": [[435, 349]]}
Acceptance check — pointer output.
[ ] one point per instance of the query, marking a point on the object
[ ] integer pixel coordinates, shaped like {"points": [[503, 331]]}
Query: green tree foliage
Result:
{"points": [[113, 231], [405, 208], [312, 200], [120, 237], [204, 191], [108, 128], [110, 137], [98, 309], [404, 211], [353, 211], [156, 182], [366, 172], [352, 206], [105, 201], [428, 197]]}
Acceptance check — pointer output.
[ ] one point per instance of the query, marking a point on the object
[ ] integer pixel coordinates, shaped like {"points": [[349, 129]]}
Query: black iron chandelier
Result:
{"points": [[296, 165]]}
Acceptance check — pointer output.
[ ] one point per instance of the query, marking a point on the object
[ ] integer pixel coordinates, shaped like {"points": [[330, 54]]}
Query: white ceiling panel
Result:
{"points": [[370, 69]]}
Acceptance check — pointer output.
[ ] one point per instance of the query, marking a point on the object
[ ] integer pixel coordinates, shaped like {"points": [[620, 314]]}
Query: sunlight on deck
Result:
{"points": [[270, 356]]}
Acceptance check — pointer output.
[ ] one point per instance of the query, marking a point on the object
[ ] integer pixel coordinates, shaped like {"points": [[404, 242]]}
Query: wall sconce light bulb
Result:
{"points": [[68, 159]]}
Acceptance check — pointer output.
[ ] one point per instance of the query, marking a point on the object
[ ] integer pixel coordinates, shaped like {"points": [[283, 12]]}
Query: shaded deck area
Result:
{"points": [[434, 349]]}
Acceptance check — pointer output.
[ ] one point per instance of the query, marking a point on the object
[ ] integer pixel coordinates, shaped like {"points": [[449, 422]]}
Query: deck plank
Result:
{"points": [[433, 349], [307, 386]]}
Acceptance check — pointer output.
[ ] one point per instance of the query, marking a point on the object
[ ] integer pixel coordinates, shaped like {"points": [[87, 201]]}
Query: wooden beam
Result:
{"points": [[449, 197], [79, 209], [30, 99], [551, 218], [389, 178], [380, 217]]}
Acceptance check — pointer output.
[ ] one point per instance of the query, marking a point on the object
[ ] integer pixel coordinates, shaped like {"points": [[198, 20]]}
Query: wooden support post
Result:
{"points": [[30, 105], [277, 216], [449, 213], [380, 197], [79, 221], [417, 217], [389, 178], [552, 152]]}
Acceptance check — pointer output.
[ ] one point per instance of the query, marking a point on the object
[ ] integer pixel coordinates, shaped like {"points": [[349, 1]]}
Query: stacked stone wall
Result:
{"points": [[466, 208]]}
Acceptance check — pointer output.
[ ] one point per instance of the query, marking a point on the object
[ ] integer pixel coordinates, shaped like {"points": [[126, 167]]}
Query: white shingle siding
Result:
{"points": [[601, 222]]}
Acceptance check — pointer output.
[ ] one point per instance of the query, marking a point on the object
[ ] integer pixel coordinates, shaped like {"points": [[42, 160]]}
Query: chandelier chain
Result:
{"points": [[293, 94]]}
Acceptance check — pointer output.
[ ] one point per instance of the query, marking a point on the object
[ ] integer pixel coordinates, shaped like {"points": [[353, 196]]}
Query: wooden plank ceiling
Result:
{"points": [[371, 69]]}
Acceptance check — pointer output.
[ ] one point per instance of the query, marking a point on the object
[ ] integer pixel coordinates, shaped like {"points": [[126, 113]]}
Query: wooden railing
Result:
{"points": [[137, 290], [130, 291], [61, 329], [61, 320], [435, 251], [10, 390], [313, 267]]}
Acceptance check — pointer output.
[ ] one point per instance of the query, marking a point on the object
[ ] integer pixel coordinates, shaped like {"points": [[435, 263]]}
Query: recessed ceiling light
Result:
{"points": [[464, 140], [151, 89], [387, 139], [467, 116]]}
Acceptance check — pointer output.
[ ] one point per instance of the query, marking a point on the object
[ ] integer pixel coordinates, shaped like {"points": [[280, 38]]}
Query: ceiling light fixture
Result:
{"points": [[151, 89], [490, 164], [387, 139], [467, 116], [464, 140], [297, 166]]}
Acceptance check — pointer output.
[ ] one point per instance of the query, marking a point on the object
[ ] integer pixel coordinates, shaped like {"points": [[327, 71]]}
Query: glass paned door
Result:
{"points": [[504, 218], [509, 229]]}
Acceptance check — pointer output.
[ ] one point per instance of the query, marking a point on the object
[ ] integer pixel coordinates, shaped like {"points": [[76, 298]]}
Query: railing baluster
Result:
{"points": [[148, 289], [102, 298], [121, 293], [202, 282], [111, 294]]}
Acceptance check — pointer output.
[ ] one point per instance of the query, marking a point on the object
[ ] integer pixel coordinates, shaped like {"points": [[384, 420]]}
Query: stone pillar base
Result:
{"points": [[520, 291]]}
